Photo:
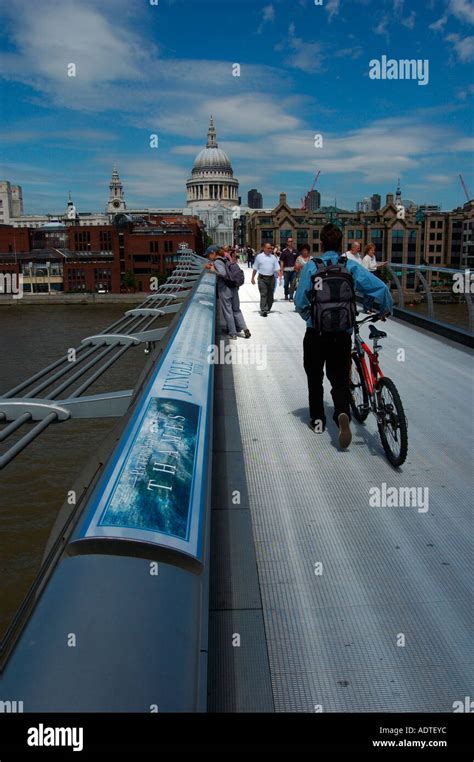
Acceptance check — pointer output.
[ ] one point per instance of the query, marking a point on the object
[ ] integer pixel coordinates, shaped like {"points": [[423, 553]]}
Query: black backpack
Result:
{"points": [[333, 304]]}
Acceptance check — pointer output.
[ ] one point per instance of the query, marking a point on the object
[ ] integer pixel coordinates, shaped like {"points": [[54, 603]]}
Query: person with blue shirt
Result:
{"points": [[333, 350]]}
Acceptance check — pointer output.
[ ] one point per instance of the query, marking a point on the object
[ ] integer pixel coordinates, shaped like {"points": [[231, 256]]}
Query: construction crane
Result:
{"points": [[466, 192], [304, 201]]}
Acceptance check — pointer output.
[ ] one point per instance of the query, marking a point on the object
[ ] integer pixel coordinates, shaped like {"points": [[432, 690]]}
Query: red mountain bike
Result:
{"points": [[373, 392]]}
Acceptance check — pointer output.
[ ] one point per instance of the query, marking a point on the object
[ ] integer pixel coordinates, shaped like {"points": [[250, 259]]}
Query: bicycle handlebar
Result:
{"points": [[370, 318]]}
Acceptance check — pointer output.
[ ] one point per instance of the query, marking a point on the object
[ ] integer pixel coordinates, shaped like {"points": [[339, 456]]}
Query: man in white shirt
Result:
{"points": [[266, 265], [354, 253]]}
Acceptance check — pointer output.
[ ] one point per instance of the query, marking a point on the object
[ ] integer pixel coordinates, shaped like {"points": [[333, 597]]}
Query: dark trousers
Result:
{"points": [[265, 286], [288, 278], [334, 350]]}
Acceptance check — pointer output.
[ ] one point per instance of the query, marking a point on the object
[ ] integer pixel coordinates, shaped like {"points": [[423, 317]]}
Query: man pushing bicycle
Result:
{"points": [[325, 298]]}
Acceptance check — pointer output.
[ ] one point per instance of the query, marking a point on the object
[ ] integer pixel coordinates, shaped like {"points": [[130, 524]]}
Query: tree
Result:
{"points": [[129, 281], [385, 274]]}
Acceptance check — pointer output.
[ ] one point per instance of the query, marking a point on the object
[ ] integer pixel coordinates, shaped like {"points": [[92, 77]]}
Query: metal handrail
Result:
{"points": [[419, 271], [183, 280]]}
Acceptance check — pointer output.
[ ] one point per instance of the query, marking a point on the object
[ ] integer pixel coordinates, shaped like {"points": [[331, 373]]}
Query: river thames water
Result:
{"points": [[34, 485]]}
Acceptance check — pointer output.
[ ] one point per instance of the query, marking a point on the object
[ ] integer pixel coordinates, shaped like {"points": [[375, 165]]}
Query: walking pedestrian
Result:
{"points": [[250, 255], [287, 262], [330, 314], [302, 260], [266, 265]]}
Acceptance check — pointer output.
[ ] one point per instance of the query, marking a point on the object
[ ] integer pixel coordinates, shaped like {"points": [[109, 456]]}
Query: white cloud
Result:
{"points": [[152, 182], [409, 21], [349, 52], [438, 26], [463, 10], [21, 136], [381, 27], [464, 93], [463, 145], [306, 56], [332, 8], [249, 114], [464, 46], [376, 153], [268, 17], [52, 35], [440, 179], [269, 13]]}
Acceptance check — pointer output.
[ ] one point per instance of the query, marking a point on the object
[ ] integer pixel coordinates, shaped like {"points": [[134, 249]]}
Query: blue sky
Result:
{"points": [[143, 69]]}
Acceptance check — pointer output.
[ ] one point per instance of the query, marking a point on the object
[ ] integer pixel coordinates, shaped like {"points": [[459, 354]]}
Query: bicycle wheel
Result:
{"points": [[359, 395], [391, 422]]}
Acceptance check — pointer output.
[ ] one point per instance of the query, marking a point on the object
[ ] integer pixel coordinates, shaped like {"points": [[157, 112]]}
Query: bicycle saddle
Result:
{"points": [[374, 333]]}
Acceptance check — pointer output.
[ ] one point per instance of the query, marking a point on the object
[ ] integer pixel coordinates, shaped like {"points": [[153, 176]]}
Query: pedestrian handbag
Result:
{"points": [[333, 303], [234, 274]]}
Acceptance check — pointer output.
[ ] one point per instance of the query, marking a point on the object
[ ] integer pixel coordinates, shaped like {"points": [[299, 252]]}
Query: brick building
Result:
{"points": [[118, 257]]}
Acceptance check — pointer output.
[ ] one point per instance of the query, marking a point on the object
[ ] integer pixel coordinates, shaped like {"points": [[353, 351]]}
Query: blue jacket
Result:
{"points": [[364, 283]]}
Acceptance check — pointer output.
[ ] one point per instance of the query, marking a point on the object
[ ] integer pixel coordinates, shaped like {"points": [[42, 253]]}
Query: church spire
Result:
{"points": [[211, 135], [116, 202], [398, 196], [71, 211]]}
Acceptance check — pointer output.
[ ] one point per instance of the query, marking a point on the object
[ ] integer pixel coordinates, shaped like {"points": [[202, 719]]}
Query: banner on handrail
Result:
{"points": [[153, 490]]}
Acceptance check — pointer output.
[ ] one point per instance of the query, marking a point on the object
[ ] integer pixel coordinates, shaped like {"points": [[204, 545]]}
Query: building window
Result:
{"points": [[82, 241], [316, 233], [350, 235], [154, 247], [439, 236], [105, 240], [285, 233], [267, 236], [397, 245], [168, 246]]}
